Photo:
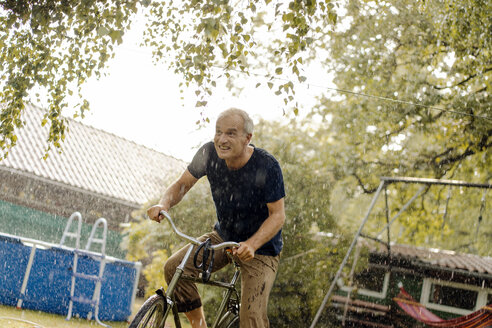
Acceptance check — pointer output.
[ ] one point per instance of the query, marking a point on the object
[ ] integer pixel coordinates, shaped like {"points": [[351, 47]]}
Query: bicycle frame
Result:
{"points": [[230, 287]]}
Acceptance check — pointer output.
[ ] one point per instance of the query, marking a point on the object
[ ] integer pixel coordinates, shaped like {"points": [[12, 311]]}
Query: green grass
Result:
{"points": [[20, 318]]}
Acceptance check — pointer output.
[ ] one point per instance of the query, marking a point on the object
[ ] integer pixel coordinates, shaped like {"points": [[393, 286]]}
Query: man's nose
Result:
{"points": [[222, 138]]}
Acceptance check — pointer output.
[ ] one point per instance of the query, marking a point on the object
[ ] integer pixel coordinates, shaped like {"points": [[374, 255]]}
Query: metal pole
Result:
{"points": [[378, 236], [342, 265], [455, 183], [26, 276]]}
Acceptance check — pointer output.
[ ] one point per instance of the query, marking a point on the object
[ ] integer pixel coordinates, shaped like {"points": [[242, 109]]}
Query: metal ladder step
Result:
{"points": [[95, 256], [87, 276]]}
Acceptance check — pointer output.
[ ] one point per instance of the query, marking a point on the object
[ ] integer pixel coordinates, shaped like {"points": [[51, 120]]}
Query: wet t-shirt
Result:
{"points": [[241, 196]]}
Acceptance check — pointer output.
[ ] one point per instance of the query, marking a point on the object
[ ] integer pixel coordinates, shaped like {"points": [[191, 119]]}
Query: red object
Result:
{"points": [[478, 319]]}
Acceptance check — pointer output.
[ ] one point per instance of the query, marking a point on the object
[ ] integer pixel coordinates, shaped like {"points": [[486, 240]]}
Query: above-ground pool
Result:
{"points": [[37, 275]]}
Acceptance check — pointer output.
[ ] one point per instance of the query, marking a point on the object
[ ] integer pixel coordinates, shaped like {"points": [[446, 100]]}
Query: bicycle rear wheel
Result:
{"points": [[229, 320], [151, 314]]}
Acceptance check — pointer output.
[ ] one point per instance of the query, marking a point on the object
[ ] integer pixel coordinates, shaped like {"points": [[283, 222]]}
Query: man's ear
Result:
{"points": [[248, 138]]}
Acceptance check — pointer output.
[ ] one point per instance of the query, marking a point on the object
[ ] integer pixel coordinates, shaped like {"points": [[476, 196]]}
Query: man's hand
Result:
{"points": [[153, 212], [244, 252]]}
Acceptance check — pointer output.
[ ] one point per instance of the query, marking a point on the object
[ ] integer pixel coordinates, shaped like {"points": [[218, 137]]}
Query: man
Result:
{"points": [[248, 192]]}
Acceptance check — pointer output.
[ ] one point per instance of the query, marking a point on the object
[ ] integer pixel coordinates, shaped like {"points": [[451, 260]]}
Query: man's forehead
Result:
{"points": [[226, 128], [230, 122]]}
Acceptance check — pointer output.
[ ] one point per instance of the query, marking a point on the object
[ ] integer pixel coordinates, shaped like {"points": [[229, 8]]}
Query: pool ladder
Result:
{"points": [[94, 302]]}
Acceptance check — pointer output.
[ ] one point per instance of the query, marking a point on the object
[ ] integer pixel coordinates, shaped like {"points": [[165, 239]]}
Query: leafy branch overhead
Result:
{"points": [[209, 40], [50, 48], [54, 47]]}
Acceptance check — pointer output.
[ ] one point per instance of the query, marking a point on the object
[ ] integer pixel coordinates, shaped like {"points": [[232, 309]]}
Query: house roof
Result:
{"points": [[443, 259], [91, 160]]}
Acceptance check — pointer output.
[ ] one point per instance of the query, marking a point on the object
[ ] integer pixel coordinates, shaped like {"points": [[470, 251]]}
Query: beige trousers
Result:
{"points": [[257, 277]]}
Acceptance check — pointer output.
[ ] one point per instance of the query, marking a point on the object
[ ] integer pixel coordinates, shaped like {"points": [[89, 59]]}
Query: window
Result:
{"points": [[453, 297], [371, 282], [371, 279]]}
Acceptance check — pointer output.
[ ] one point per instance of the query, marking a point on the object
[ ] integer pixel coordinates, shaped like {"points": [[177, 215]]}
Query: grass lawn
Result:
{"points": [[10, 317]]}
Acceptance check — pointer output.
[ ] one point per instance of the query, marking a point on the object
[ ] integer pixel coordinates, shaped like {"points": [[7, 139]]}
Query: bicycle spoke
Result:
{"points": [[153, 318]]}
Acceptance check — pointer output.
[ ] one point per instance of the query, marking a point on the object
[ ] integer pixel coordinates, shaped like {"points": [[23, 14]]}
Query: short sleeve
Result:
{"points": [[198, 165], [274, 187]]}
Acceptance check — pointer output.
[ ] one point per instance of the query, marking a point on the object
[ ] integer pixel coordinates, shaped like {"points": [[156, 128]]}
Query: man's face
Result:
{"points": [[230, 139]]}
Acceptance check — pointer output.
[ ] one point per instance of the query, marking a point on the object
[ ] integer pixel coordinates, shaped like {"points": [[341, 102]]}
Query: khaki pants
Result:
{"points": [[257, 277]]}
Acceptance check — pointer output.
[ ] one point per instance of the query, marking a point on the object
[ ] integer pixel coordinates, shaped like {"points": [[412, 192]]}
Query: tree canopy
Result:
{"points": [[432, 58], [413, 99], [418, 99]]}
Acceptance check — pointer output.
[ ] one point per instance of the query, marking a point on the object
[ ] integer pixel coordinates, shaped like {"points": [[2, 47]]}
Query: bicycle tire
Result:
{"points": [[150, 314], [229, 320]]}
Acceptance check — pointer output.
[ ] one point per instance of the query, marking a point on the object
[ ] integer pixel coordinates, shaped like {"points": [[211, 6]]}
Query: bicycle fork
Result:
{"points": [[170, 290]]}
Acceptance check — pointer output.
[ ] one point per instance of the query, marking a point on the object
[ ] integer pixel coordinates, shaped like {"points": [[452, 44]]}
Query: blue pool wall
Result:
{"points": [[49, 281]]}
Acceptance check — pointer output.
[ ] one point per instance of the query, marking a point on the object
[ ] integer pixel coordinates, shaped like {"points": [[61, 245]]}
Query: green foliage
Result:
{"points": [[154, 272], [451, 218], [151, 243], [400, 50], [417, 52], [53, 47], [143, 236]]}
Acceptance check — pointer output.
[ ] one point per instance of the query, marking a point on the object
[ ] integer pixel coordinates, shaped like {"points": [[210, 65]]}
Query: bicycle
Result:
{"points": [[156, 309]]}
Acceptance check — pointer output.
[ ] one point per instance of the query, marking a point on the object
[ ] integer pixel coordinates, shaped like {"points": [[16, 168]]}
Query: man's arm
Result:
{"points": [[173, 195], [267, 231]]}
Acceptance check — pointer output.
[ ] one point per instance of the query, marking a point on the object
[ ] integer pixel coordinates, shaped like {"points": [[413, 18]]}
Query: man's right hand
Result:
{"points": [[153, 212]]}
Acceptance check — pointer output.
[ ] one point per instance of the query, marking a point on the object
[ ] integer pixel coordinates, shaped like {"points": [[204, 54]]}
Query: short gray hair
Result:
{"points": [[248, 125]]}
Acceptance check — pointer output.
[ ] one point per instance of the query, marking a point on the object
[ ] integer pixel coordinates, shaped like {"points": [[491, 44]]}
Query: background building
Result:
{"points": [[448, 283]]}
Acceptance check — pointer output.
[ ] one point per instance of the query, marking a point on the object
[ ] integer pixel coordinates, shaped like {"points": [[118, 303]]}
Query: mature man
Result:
{"points": [[248, 192]]}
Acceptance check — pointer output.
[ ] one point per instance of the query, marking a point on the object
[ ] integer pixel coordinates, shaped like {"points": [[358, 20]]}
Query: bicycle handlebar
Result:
{"points": [[194, 241]]}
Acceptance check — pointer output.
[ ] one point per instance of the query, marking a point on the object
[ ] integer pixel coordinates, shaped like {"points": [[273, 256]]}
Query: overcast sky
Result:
{"points": [[141, 102]]}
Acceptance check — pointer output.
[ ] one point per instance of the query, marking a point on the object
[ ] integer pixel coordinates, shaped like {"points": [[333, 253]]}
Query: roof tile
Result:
{"points": [[444, 258]]}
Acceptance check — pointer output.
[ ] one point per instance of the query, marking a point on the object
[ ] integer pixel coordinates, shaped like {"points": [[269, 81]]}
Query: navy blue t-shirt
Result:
{"points": [[241, 196]]}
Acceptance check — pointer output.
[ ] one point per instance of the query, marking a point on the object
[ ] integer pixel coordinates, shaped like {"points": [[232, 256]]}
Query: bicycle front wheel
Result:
{"points": [[151, 314]]}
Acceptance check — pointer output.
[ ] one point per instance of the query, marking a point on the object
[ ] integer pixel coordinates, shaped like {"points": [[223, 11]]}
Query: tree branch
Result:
{"points": [[482, 145], [463, 81], [361, 184]]}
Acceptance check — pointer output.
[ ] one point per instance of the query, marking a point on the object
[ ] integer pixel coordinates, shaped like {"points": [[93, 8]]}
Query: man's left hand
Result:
{"points": [[244, 252]]}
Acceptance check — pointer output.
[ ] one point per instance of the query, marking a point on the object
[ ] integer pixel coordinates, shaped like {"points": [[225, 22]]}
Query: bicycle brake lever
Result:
{"points": [[207, 251], [205, 245]]}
